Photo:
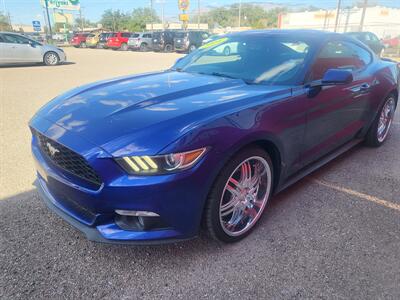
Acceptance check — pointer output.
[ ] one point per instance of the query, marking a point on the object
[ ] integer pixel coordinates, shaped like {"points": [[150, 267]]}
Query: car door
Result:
{"points": [[23, 49], [337, 113]]}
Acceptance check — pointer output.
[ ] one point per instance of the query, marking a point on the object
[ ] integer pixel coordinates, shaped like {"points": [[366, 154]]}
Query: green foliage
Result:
{"points": [[135, 21], [251, 16], [4, 22]]}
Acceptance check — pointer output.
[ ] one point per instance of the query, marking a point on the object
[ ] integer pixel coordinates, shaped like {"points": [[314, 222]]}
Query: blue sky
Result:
{"points": [[24, 11]]}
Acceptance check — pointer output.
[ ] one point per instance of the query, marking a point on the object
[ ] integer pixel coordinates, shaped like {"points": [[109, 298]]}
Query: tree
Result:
{"points": [[114, 20], [86, 23], [4, 22], [140, 17], [252, 15]]}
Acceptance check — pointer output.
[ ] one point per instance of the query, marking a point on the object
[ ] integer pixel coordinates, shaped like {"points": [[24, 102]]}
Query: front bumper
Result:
{"points": [[92, 233], [177, 198]]}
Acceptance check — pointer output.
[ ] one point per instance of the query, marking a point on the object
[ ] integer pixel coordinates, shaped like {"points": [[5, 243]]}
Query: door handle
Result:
{"points": [[362, 88], [365, 87]]}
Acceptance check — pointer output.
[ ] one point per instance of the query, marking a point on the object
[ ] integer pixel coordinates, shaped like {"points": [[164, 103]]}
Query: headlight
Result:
{"points": [[160, 164]]}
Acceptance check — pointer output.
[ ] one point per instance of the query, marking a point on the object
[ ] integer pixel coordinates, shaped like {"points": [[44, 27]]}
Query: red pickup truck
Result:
{"points": [[79, 40], [118, 40]]}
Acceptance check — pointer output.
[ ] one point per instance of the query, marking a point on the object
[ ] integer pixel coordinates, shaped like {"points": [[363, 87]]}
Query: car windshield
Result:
{"points": [[254, 59], [135, 35], [180, 34]]}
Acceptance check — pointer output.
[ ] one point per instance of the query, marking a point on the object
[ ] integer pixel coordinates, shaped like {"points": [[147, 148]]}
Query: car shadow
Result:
{"points": [[14, 66]]}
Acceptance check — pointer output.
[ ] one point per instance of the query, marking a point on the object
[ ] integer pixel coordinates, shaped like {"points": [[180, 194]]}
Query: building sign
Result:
{"points": [[36, 26], [183, 4], [184, 17], [62, 4]]}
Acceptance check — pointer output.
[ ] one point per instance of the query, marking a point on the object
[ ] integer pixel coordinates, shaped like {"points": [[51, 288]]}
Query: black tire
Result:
{"points": [[211, 216], [168, 48], [51, 59], [98, 46], [124, 47], [192, 48], [83, 45], [143, 47], [373, 138]]}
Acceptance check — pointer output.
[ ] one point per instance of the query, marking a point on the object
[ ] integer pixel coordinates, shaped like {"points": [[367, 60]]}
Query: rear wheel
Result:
{"points": [[124, 47], [239, 195], [168, 48], [83, 45], [51, 59], [380, 128]]}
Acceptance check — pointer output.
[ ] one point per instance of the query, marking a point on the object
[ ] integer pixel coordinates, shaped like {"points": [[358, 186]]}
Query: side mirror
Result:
{"points": [[337, 77], [32, 44]]}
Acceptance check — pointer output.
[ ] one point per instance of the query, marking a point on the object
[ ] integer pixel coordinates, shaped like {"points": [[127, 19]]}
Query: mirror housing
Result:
{"points": [[337, 77]]}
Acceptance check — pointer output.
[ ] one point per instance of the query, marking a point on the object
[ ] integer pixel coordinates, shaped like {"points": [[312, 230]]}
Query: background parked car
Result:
{"points": [[15, 48], [164, 40], [188, 41], [119, 40], [141, 41], [103, 39], [79, 40], [369, 39], [392, 42], [92, 40]]}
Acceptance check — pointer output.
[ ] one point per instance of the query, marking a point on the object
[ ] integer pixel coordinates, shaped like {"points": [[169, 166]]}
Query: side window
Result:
{"points": [[340, 55], [1, 39], [125, 34]]}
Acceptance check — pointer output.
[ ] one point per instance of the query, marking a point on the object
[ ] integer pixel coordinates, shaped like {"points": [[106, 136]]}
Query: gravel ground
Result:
{"points": [[335, 234]]}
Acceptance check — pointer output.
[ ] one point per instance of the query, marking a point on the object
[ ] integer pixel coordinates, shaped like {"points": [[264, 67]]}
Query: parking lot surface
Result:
{"points": [[335, 234]]}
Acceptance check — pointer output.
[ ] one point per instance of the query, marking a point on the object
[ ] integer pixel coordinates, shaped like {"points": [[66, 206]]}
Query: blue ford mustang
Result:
{"points": [[149, 158]]}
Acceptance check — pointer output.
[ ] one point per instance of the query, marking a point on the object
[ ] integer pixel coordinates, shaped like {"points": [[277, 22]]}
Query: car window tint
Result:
{"points": [[340, 55], [15, 39], [255, 59], [1, 39], [373, 37], [125, 34], [135, 35]]}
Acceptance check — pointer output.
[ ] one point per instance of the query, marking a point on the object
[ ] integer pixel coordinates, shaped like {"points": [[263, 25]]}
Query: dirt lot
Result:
{"points": [[335, 234]]}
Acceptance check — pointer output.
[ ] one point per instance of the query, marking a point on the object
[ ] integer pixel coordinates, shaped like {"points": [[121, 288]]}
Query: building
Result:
{"points": [[383, 21]]}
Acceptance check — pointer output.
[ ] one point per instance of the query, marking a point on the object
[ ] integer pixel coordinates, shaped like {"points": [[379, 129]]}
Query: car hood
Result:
{"points": [[145, 113]]}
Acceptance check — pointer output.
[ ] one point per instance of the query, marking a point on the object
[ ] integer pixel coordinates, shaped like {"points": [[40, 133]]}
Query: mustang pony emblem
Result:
{"points": [[53, 150]]}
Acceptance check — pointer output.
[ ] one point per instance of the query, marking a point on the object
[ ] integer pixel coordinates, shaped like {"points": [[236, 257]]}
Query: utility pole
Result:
{"points": [[339, 2], [48, 18], [151, 7], [240, 13], [80, 17], [198, 14], [363, 15]]}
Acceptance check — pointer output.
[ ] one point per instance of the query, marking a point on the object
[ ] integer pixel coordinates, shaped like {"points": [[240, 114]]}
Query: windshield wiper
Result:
{"points": [[227, 76]]}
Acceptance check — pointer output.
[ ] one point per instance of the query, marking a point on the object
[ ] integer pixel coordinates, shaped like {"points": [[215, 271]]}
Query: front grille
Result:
{"points": [[67, 159]]}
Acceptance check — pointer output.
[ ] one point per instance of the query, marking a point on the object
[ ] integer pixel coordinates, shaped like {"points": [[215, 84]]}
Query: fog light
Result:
{"points": [[136, 213]]}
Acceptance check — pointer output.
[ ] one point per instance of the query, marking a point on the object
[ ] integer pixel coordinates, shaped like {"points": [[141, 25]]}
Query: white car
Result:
{"points": [[16, 48]]}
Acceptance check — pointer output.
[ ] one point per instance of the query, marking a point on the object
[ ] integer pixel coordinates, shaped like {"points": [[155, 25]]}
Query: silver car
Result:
{"points": [[140, 41], [16, 48]]}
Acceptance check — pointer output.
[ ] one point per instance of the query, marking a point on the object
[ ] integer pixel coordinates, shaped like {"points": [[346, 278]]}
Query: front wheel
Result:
{"points": [[239, 195], [83, 45], [51, 59], [143, 47], [379, 130], [192, 48]]}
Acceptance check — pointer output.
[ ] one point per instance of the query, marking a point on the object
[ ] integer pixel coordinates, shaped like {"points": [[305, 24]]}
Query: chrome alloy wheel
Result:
{"points": [[51, 59], [245, 195], [385, 119]]}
